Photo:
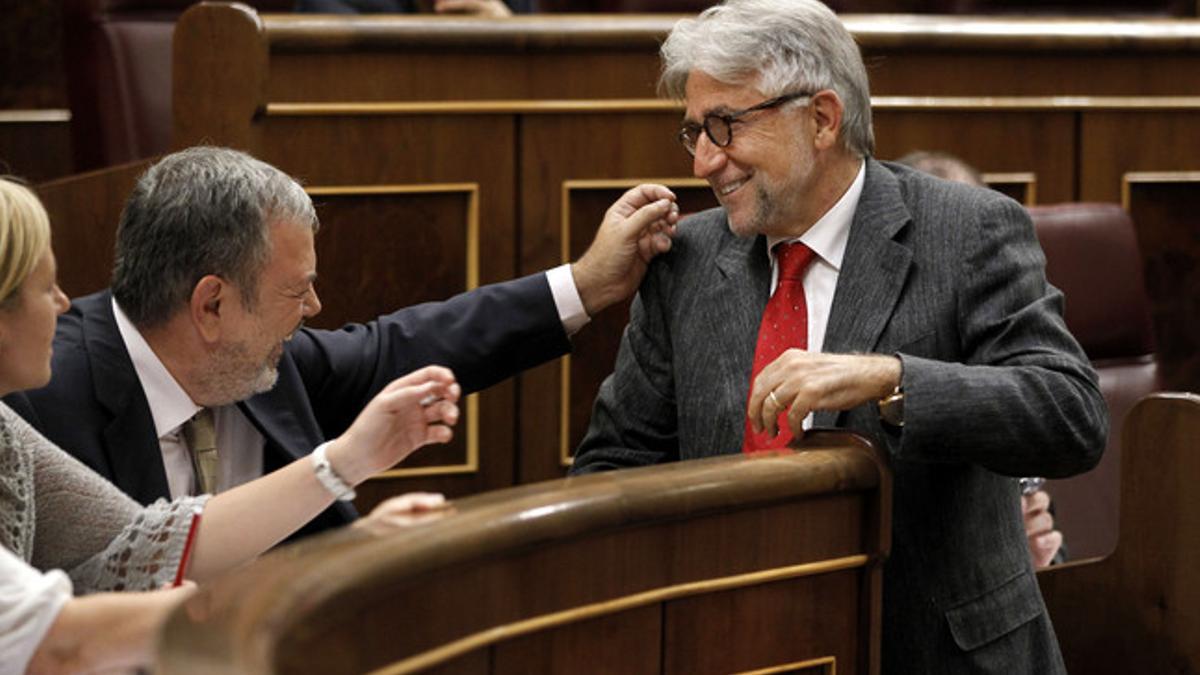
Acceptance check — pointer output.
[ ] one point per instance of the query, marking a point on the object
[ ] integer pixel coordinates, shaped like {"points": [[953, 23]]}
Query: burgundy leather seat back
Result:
{"points": [[1092, 256], [118, 60]]}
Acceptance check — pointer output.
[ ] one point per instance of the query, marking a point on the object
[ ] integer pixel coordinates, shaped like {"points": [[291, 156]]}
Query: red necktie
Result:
{"points": [[784, 326]]}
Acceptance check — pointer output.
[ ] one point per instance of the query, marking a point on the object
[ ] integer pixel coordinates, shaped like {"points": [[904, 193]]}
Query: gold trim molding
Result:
{"points": [[829, 662], [535, 624], [471, 190], [35, 116], [642, 105]]}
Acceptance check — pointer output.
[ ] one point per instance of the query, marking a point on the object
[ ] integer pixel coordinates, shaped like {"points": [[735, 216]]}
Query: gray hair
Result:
{"points": [[780, 46], [943, 165], [197, 212]]}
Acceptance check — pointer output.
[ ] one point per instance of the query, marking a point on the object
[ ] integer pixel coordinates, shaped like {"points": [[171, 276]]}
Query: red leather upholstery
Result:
{"points": [[1092, 256], [118, 60]]}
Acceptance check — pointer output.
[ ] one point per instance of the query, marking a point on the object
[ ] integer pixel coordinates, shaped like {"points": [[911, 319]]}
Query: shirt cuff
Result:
{"points": [[566, 299]]}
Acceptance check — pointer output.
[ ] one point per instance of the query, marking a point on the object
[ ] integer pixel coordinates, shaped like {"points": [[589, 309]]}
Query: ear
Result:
{"points": [[209, 302], [827, 113]]}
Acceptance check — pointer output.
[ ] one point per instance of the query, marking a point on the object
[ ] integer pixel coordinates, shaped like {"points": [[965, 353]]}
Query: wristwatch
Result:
{"points": [[891, 408], [324, 472]]}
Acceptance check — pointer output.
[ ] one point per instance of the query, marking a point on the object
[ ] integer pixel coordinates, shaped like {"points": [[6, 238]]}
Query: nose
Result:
{"points": [[312, 305], [61, 302], [709, 159]]}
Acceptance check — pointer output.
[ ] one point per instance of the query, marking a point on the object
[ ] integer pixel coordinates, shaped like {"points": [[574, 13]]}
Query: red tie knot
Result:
{"points": [[793, 259]]}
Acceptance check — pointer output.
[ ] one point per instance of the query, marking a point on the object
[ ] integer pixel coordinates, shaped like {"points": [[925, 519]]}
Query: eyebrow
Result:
{"points": [[717, 110], [310, 279]]}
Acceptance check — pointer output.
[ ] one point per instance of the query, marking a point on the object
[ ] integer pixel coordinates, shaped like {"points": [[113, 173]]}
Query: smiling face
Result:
{"points": [[27, 322], [784, 167], [246, 362], [763, 176]]}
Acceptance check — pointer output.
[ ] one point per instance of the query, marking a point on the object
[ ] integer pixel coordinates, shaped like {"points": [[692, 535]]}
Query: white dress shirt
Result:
{"points": [[239, 444], [29, 603], [827, 238]]}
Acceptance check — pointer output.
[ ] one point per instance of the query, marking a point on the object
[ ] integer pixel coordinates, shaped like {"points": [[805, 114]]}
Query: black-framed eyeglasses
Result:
{"points": [[719, 126]]}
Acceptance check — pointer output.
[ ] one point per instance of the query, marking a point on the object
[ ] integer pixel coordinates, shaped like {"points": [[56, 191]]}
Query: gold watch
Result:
{"points": [[891, 408]]}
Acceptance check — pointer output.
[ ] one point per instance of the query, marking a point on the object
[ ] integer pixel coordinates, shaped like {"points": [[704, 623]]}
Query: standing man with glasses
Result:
{"points": [[835, 290]]}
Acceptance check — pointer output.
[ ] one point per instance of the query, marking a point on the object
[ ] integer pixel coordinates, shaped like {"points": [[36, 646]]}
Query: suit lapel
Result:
{"points": [[130, 442], [873, 271], [284, 417], [737, 295]]}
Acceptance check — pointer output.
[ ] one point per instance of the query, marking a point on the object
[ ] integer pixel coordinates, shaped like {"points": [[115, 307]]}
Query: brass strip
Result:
{"points": [[38, 116], [497, 634], [830, 661], [625, 184], [470, 107], [471, 464], [880, 103], [396, 189], [564, 422], [1015, 103]]}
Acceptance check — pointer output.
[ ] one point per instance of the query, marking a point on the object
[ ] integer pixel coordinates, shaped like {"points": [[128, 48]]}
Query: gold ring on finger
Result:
{"points": [[774, 400]]}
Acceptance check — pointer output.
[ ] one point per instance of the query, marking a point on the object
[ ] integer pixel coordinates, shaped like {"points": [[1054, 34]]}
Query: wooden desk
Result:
{"points": [[642, 571], [1135, 611]]}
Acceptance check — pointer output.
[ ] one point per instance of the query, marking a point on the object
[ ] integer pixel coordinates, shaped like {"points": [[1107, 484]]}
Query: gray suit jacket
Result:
{"points": [[951, 279]]}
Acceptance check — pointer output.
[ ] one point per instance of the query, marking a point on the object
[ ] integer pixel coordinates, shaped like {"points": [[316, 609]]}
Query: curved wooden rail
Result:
{"points": [[1138, 610], [621, 572]]}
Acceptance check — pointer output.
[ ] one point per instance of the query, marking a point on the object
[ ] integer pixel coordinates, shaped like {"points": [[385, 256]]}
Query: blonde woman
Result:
{"points": [[65, 530]]}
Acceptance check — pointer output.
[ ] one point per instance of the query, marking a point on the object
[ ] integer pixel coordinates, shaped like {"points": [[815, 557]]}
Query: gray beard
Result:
{"points": [[229, 378]]}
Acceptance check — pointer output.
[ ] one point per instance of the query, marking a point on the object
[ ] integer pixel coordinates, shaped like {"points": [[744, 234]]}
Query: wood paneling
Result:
{"points": [[1120, 142], [84, 213], [1037, 141], [739, 631], [1163, 206], [622, 642], [35, 144]]}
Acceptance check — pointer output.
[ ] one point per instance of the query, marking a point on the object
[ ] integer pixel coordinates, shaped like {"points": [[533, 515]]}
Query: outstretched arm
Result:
{"points": [[412, 411], [106, 632]]}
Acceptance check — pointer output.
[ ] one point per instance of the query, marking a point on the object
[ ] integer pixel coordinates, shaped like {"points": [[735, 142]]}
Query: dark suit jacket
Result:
{"points": [[95, 409], [951, 279]]}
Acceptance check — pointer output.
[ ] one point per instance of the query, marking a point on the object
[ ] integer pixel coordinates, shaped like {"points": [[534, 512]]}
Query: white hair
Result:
{"points": [[779, 46]]}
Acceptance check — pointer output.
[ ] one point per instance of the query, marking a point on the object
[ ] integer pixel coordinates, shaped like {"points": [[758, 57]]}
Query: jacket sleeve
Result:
{"points": [[634, 419], [1023, 400], [484, 336]]}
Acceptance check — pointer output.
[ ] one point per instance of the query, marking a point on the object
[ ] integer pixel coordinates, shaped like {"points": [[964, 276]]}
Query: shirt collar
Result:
{"points": [[170, 406], [828, 236]]}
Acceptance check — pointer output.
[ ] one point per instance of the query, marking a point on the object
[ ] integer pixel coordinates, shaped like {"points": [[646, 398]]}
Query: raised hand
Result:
{"points": [[636, 228], [1044, 540], [412, 411]]}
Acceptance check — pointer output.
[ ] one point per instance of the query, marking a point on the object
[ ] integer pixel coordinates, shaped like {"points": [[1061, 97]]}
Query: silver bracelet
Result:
{"points": [[324, 472]]}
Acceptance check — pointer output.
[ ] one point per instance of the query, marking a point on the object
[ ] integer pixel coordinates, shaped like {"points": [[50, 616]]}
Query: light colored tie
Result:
{"points": [[200, 432]]}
